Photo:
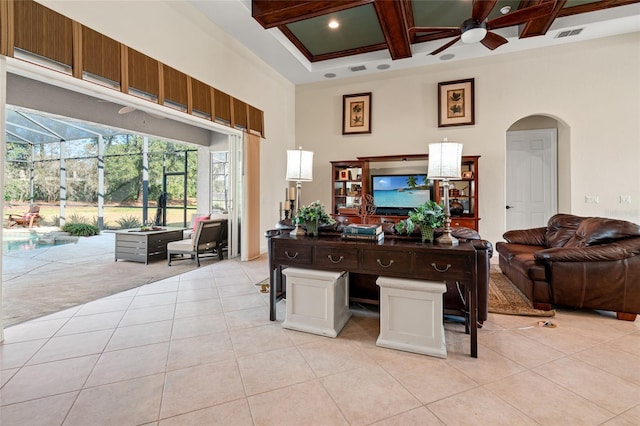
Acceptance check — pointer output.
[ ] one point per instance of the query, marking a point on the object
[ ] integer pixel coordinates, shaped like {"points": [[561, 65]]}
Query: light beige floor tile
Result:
{"points": [[146, 315], [418, 416], [427, 378], [247, 318], [200, 387], [548, 404], [369, 394], [626, 366], [72, 346], [199, 307], [259, 339], [235, 413], [104, 305], [237, 290], [301, 338], [200, 350], [330, 356], [198, 326], [168, 285], [272, 370], [198, 294], [95, 322], [47, 379], [65, 313], [234, 303], [14, 355], [628, 418], [629, 343], [131, 402], [608, 391], [39, 412], [480, 407], [7, 374], [148, 300], [489, 365], [195, 284], [126, 364], [139, 335], [519, 348], [303, 404], [33, 330]]}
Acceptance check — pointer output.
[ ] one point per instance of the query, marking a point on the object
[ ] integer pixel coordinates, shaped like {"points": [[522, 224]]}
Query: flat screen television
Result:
{"points": [[398, 194]]}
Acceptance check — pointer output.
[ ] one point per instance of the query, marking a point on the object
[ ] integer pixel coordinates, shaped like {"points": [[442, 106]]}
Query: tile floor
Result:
{"points": [[198, 349]]}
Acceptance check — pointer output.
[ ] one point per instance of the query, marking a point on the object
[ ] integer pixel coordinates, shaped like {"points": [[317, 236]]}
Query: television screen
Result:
{"points": [[400, 191]]}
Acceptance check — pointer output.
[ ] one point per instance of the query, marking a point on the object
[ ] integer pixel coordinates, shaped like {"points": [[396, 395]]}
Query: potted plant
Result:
{"points": [[312, 216], [428, 216]]}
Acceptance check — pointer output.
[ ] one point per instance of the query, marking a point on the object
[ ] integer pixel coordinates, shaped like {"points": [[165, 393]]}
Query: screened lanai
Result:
{"points": [[86, 171]]}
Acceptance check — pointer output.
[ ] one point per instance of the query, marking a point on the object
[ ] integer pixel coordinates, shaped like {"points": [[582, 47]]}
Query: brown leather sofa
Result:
{"points": [[580, 262], [454, 300]]}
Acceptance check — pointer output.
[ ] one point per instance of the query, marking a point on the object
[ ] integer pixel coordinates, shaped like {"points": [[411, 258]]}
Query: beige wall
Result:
{"points": [[591, 88]]}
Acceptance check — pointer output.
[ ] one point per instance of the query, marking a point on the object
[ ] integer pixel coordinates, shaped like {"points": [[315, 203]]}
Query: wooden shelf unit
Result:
{"points": [[349, 190]]}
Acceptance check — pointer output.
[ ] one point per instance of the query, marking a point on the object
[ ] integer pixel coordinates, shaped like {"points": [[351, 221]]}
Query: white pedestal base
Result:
{"points": [[317, 301], [411, 316]]}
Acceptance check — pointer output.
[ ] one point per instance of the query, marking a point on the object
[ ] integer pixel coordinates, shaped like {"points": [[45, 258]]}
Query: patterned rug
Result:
{"points": [[506, 299]]}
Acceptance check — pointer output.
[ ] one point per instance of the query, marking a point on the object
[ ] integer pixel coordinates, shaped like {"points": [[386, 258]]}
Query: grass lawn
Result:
{"points": [[50, 212]]}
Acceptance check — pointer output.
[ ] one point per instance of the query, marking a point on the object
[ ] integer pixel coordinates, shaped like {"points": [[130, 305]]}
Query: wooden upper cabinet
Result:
{"points": [[100, 55], [43, 32], [239, 114], [256, 120], [201, 99], [144, 75], [222, 105], [175, 88]]}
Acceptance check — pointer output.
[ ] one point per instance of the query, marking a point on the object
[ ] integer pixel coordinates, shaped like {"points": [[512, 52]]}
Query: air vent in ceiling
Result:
{"points": [[358, 68], [569, 33]]}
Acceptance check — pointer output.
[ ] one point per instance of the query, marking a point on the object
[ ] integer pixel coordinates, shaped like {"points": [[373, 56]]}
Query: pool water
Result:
{"points": [[22, 241]]}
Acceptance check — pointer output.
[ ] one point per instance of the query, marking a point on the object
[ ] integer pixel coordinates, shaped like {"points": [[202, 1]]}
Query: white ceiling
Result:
{"points": [[234, 17]]}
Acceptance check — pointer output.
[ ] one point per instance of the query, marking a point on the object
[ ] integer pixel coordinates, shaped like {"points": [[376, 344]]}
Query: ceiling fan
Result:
{"points": [[476, 29]]}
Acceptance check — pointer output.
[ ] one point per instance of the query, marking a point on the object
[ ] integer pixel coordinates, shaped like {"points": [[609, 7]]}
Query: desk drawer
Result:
{"points": [[293, 255], [336, 258], [440, 268], [386, 261]]}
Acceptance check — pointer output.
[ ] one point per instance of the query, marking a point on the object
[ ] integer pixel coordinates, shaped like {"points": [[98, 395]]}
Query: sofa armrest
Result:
{"points": [[619, 250], [532, 237]]}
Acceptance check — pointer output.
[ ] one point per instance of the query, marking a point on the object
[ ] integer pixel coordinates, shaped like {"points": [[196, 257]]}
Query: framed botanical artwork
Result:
{"points": [[456, 103], [356, 113]]}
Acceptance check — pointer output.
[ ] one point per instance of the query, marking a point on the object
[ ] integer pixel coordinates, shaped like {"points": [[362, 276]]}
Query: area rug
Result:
{"points": [[506, 299]]}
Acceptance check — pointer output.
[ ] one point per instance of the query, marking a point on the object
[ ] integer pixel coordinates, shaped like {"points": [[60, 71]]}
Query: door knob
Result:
{"points": [[510, 207]]}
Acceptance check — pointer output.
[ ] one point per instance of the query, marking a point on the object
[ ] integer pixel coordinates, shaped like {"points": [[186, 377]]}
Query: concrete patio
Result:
{"points": [[49, 279]]}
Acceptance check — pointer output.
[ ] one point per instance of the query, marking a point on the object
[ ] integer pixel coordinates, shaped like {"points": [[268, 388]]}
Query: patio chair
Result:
{"points": [[209, 237], [30, 218]]}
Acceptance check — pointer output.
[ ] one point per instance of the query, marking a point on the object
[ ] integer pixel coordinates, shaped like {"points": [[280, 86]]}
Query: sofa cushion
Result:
{"points": [[560, 229], [198, 219], [599, 230]]}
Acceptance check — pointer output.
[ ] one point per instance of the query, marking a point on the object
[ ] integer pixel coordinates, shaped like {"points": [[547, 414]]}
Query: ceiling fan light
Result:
{"points": [[473, 35]]}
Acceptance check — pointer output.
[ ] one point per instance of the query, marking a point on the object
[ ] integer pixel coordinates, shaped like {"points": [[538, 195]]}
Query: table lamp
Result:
{"points": [[299, 169], [445, 162]]}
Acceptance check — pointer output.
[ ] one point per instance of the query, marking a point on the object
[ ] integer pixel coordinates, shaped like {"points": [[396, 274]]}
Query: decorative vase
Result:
{"points": [[427, 233], [312, 228]]}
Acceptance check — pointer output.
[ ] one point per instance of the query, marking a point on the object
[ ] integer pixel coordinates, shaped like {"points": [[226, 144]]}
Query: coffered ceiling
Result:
{"points": [[376, 35]]}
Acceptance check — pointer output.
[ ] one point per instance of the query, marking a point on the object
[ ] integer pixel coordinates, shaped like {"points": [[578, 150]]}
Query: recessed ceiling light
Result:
{"points": [[329, 75], [384, 66], [447, 56], [505, 10], [333, 24]]}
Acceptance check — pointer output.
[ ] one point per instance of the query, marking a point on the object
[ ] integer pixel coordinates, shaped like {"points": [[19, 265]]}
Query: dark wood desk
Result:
{"points": [[399, 258]]}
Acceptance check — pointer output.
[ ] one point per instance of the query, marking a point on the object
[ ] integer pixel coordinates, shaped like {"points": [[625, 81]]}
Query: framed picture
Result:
{"points": [[344, 175], [467, 175], [456, 103], [356, 113]]}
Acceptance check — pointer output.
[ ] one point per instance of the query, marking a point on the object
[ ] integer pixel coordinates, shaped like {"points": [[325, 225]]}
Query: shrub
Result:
{"points": [[76, 218], [81, 229], [129, 222]]}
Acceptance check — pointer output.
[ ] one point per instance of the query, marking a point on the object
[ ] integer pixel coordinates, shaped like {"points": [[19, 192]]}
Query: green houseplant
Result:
{"points": [[428, 216], [312, 216]]}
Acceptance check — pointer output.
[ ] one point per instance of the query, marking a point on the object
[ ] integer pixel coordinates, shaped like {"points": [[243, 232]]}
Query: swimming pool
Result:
{"points": [[20, 241]]}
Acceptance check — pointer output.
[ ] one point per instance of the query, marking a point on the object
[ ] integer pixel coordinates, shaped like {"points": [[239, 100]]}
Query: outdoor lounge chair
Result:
{"points": [[209, 237], [30, 218]]}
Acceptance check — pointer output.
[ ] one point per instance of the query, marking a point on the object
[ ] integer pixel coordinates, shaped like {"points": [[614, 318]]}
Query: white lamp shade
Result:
{"points": [[445, 160], [299, 165]]}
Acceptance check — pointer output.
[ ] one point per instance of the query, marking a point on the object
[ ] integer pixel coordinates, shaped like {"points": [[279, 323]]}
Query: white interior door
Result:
{"points": [[531, 178]]}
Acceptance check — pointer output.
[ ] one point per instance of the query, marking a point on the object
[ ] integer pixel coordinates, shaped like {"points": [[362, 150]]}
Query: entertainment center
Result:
{"points": [[384, 189]]}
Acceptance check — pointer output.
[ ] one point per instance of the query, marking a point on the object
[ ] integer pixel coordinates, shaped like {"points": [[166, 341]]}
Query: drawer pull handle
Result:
{"points": [[385, 266], [289, 256], [333, 260], [441, 270]]}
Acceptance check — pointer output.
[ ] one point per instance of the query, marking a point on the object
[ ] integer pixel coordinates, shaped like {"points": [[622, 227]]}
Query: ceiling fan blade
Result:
{"points": [[493, 40], [482, 9], [521, 16], [432, 29], [446, 46]]}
